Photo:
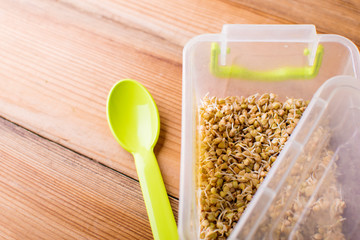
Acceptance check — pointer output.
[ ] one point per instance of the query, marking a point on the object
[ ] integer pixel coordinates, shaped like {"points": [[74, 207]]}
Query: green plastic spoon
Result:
{"points": [[134, 121]]}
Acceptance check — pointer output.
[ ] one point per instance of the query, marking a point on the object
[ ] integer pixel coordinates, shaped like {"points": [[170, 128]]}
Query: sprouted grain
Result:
{"points": [[311, 213], [240, 139]]}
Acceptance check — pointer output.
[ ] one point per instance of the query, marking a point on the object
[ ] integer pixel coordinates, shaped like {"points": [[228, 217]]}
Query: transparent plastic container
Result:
{"points": [[334, 108]]}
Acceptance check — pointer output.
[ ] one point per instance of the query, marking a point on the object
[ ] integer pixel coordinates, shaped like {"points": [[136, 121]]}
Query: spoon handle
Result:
{"points": [[157, 203]]}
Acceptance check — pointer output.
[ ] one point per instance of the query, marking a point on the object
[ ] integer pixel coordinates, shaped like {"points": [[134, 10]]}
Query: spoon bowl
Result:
{"points": [[133, 112], [134, 121]]}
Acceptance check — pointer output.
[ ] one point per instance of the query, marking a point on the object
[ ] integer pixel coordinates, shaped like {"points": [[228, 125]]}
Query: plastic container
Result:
{"points": [[264, 56]]}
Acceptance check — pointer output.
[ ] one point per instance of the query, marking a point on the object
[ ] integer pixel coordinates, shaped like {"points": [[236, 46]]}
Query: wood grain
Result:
{"points": [[336, 17], [60, 58], [49, 192]]}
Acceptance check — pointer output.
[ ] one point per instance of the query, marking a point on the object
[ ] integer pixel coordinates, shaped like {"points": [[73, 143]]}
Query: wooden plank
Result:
{"points": [[59, 59], [336, 17], [49, 192]]}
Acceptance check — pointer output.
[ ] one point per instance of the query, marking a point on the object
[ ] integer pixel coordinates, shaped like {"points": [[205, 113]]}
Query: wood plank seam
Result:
{"points": [[320, 28], [237, 4], [73, 151], [112, 20], [31, 203]]}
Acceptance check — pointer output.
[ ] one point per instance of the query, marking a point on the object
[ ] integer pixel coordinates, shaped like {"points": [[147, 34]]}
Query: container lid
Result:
{"points": [[281, 207]]}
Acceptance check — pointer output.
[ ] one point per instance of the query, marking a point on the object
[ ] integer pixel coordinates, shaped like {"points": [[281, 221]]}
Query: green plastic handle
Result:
{"points": [[279, 74], [157, 203]]}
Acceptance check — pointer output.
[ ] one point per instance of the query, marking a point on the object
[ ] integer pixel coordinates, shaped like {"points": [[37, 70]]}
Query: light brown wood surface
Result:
{"points": [[62, 174], [50, 192]]}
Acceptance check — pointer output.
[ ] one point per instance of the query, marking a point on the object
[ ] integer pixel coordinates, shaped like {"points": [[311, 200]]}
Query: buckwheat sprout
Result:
{"points": [[223, 212], [232, 170], [237, 155], [205, 194], [258, 108], [215, 107]]}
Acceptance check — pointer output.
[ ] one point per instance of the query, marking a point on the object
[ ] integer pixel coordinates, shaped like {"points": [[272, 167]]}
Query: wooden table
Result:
{"points": [[62, 174]]}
